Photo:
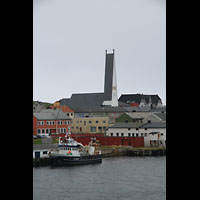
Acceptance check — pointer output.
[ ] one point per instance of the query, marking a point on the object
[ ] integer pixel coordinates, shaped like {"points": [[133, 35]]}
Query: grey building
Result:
{"points": [[143, 100]]}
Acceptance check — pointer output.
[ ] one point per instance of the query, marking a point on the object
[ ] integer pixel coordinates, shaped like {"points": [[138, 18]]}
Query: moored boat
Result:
{"points": [[71, 152]]}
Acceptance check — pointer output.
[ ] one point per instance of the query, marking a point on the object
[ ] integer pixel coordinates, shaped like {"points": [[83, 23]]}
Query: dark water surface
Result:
{"points": [[130, 178]]}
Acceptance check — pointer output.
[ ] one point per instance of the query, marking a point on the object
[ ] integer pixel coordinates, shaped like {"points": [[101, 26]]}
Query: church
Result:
{"points": [[107, 101], [98, 101]]}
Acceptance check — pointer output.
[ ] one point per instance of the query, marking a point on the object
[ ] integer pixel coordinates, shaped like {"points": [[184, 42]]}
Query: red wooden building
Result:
{"points": [[50, 121]]}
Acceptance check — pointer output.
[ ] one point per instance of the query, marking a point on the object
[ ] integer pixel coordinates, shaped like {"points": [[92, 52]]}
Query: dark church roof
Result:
{"points": [[87, 99], [84, 100], [136, 98], [108, 77]]}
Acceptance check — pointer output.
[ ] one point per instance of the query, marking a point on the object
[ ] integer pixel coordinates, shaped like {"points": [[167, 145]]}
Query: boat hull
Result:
{"points": [[59, 161]]}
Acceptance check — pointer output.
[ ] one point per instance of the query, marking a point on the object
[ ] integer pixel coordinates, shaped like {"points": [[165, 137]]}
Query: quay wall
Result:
{"points": [[113, 151]]}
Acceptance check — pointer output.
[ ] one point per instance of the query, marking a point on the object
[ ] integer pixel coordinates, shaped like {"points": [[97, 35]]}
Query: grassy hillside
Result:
{"points": [[46, 104]]}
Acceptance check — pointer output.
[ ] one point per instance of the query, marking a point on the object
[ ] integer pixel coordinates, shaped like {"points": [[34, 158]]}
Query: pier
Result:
{"points": [[131, 151]]}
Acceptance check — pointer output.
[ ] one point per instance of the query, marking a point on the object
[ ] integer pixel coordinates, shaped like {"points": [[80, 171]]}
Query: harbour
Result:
{"points": [[122, 177], [109, 151]]}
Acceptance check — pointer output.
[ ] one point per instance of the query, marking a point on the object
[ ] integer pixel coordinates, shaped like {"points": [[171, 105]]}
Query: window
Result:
{"points": [[47, 130], [145, 134], [44, 152], [40, 123], [129, 134], [137, 134], [141, 134], [104, 121], [162, 134], [85, 123], [145, 129], [97, 122], [129, 129], [60, 122], [133, 134], [122, 134], [43, 131], [117, 134], [38, 131], [93, 129], [111, 134], [90, 122]]}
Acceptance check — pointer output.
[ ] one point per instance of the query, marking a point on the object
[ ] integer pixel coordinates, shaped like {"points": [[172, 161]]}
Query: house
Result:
{"points": [[89, 124], [141, 100], [125, 133], [68, 111], [142, 117], [147, 116], [155, 134], [50, 121], [125, 129]]}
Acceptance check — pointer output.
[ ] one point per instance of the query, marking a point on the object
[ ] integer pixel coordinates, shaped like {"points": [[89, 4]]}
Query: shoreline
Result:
{"points": [[115, 151]]}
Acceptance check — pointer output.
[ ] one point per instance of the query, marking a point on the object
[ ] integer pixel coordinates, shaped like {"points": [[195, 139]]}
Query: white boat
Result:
{"points": [[71, 152]]}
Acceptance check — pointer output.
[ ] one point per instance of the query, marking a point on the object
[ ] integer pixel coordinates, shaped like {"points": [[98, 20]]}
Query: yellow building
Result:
{"points": [[89, 125], [56, 104]]}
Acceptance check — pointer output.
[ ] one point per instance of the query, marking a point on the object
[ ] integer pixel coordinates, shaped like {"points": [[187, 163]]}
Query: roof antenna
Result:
{"points": [[113, 51]]}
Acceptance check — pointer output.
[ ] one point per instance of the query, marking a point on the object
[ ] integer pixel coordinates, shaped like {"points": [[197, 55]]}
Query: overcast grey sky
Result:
{"points": [[70, 38]]}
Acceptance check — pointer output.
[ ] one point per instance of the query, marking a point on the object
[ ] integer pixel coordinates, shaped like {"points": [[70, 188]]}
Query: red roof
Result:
{"points": [[64, 108]]}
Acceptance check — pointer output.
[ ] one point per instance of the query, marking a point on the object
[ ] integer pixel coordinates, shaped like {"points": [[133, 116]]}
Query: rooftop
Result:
{"points": [[51, 114], [154, 125], [127, 125]]}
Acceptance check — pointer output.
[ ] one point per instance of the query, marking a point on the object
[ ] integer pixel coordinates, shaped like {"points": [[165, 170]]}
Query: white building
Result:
{"points": [[44, 153], [154, 133], [126, 129]]}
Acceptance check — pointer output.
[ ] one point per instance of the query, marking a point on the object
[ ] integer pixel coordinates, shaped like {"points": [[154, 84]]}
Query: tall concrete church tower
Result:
{"points": [[110, 84]]}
